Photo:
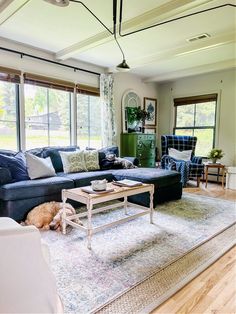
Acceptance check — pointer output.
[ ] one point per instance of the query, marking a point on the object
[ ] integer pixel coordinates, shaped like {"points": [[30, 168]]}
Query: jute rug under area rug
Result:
{"points": [[130, 267]]}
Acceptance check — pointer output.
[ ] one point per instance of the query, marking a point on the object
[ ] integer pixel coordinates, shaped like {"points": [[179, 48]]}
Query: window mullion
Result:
{"points": [[89, 127], [22, 132], [73, 118], [48, 114]]}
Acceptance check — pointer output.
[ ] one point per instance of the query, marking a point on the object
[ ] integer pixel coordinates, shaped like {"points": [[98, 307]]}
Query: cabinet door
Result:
{"points": [[148, 163]]}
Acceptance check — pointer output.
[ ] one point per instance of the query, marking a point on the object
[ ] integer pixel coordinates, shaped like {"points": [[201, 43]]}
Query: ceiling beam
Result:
{"points": [[4, 4], [9, 8], [188, 48], [206, 68], [165, 11]]}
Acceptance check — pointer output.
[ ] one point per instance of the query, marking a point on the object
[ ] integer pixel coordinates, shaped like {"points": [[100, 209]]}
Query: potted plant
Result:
{"points": [[215, 154], [136, 115]]}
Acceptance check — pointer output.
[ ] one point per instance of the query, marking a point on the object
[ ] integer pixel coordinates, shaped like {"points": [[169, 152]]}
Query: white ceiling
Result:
{"points": [[156, 54]]}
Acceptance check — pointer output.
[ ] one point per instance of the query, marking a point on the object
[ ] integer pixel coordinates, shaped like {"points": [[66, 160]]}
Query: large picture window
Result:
{"points": [[88, 121], [47, 116], [9, 105], [196, 116]]}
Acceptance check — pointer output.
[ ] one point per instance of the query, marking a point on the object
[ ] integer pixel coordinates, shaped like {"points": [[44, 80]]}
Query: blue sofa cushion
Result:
{"points": [[85, 178], [54, 154], [159, 177], [5, 176], [34, 188], [17, 166], [7, 152]]}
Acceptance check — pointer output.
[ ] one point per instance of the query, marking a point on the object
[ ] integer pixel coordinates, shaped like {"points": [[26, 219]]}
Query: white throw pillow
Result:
{"points": [[39, 167], [73, 161], [91, 159], [184, 155]]}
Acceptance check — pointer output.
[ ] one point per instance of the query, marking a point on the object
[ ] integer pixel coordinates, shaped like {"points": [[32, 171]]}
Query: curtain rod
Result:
{"points": [[23, 54]]}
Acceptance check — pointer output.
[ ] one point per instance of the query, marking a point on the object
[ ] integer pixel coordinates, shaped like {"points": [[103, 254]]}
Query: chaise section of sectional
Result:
{"points": [[167, 184]]}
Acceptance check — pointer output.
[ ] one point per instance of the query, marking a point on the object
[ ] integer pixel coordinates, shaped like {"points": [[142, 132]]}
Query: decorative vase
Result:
{"points": [[214, 160]]}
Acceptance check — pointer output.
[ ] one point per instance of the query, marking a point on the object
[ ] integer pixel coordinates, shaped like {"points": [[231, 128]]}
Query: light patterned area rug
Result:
{"points": [[126, 255]]}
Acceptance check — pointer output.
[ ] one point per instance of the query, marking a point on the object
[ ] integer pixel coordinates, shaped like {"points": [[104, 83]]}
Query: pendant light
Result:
{"points": [[59, 3]]}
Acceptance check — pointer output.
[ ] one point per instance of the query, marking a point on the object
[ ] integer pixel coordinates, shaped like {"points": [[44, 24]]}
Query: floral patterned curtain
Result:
{"points": [[108, 110]]}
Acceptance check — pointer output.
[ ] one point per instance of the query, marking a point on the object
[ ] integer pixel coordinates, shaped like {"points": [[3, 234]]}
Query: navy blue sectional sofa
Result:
{"points": [[18, 198]]}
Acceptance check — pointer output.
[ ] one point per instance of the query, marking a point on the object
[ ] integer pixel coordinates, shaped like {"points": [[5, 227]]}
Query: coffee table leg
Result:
{"points": [[89, 226], [63, 213], [125, 204], [151, 207]]}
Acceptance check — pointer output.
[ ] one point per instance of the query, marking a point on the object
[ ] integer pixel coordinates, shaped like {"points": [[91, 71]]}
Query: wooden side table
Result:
{"points": [[218, 167]]}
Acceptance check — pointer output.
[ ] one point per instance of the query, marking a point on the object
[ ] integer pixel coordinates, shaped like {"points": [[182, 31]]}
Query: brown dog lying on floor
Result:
{"points": [[48, 215]]}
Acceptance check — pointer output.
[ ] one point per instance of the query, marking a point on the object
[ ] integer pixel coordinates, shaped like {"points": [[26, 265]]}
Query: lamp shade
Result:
{"points": [[59, 3], [123, 67]]}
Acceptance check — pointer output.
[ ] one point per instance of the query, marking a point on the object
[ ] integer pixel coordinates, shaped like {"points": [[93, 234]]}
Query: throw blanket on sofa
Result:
{"points": [[179, 165]]}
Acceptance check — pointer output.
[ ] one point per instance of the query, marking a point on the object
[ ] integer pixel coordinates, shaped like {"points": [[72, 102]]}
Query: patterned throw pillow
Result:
{"points": [[73, 161], [91, 160]]}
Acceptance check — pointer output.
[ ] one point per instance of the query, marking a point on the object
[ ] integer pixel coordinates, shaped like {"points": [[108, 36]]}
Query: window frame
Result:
{"points": [[194, 100], [17, 104], [20, 79]]}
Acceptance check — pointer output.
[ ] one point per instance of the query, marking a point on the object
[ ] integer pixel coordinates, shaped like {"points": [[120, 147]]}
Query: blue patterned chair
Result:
{"points": [[188, 169]]}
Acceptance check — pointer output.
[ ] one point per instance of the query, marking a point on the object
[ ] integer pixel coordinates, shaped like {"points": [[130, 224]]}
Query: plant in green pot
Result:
{"points": [[215, 154], [136, 115]]}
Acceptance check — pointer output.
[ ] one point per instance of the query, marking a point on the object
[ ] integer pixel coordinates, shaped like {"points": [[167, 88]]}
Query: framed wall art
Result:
{"points": [[150, 130], [150, 105]]}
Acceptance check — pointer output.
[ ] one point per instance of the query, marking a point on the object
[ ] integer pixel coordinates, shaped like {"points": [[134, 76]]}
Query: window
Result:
{"points": [[88, 121], [196, 116], [47, 116], [9, 105]]}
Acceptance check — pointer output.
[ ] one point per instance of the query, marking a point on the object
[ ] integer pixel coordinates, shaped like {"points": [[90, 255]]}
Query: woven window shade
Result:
{"points": [[9, 75], [48, 82], [194, 99], [87, 90]]}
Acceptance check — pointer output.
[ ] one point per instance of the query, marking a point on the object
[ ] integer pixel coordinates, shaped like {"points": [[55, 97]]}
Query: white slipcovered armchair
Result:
{"points": [[26, 283]]}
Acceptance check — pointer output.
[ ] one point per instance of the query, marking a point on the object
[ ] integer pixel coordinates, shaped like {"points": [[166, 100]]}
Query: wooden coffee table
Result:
{"points": [[91, 199]]}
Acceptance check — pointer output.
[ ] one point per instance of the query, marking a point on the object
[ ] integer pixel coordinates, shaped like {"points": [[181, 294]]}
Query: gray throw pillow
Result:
{"points": [[39, 167]]}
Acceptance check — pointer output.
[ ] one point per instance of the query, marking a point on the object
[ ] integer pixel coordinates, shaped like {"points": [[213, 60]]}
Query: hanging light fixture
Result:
{"points": [[123, 66], [59, 3]]}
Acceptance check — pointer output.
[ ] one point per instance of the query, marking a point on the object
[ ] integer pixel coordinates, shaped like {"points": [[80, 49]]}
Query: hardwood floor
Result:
{"points": [[214, 290]]}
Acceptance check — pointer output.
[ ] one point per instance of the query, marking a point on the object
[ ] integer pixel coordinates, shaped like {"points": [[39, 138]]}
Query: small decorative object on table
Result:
{"points": [[99, 185], [215, 154]]}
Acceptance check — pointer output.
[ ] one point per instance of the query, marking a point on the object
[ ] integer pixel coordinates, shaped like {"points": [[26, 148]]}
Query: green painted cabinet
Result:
{"points": [[139, 145]]}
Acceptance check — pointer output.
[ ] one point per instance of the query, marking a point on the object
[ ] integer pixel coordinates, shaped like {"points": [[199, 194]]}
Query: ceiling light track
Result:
{"points": [[91, 12], [23, 54], [167, 21], [123, 66]]}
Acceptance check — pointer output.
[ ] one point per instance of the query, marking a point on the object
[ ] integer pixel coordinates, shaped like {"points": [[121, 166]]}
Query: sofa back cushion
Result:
{"points": [[16, 165], [54, 154], [7, 152], [5, 176]]}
